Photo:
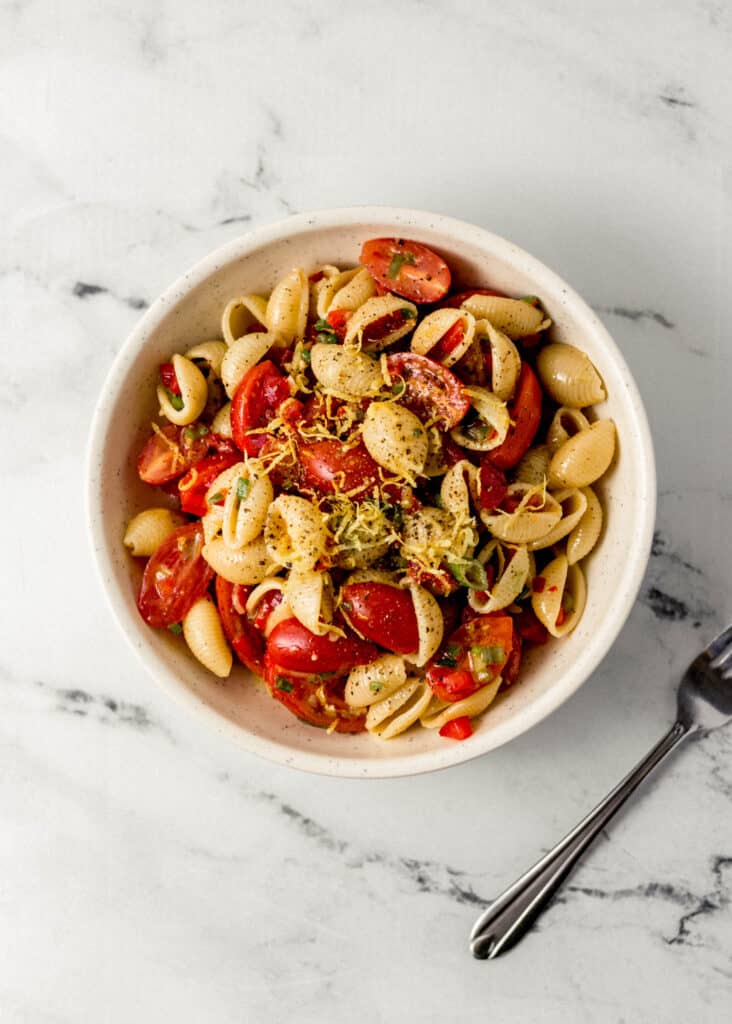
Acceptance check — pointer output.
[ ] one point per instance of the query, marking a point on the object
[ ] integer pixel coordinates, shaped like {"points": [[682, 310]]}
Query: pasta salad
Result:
{"points": [[379, 492]]}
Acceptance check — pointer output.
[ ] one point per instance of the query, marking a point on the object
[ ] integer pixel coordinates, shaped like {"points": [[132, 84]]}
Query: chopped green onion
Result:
{"points": [[397, 262], [532, 300], [175, 400], [306, 355], [195, 433], [327, 339], [450, 656], [399, 388], [490, 655], [347, 605], [407, 314], [469, 574], [243, 488], [283, 684], [176, 628], [322, 325], [216, 498]]}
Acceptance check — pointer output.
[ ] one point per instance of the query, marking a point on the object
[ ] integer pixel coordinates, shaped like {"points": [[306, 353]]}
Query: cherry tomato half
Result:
{"points": [[256, 401], [174, 577], [328, 466], [170, 451], [472, 656], [294, 648], [493, 486], [449, 341], [384, 614], [193, 486], [406, 268], [301, 698], [246, 641], [431, 391], [525, 413]]}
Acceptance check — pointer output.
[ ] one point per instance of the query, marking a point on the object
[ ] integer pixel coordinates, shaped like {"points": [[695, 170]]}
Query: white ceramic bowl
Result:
{"points": [[190, 311]]}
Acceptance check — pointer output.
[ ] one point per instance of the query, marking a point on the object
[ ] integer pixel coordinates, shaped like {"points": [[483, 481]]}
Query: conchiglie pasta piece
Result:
{"points": [[560, 600], [352, 294], [585, 457], [184, 408], [505, 359], [513, 575], [534, 466], [586, 533], [211, 353], [439, 713], [309, 594], [565, 424], [459, 484], [573, 503], [204, 635], [242, 355], [432, 330], [369, 684], [249, 494], [345, 373], [395, 438], [242, 315], [489, 428], [279, 613], [399, 711], [402, 316], [287, 308], [248, 566], [514, 317], [430, 624], [322, 292], [535, 515], [147, 530], [221, 423], [569, 376], [294, 533]]}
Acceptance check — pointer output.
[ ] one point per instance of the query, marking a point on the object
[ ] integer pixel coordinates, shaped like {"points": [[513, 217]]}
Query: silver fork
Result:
{"points": [[704, 703]]}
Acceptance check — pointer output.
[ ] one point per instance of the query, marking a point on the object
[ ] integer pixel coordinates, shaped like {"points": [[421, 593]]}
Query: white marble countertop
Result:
{"points": [[148, 872]]}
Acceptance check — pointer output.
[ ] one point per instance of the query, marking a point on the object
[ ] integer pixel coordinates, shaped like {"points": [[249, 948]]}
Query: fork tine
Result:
{"points": [[723, 660], [720, 644]]}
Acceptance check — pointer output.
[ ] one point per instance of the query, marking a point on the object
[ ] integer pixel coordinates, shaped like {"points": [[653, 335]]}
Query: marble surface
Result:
{"points": [[148, 871]]}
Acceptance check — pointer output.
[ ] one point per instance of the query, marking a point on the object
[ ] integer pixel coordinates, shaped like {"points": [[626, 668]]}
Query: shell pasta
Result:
{"points": [[377, 492]]}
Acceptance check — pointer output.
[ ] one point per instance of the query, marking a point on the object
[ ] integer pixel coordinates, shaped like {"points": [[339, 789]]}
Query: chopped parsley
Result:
{"points": [[449, 656], [469, 574], [176, 628], [243, 488], [397, 262], [283, 684]]}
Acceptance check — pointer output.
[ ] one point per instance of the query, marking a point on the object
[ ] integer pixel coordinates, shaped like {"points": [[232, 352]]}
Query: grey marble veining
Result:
{"points": [[151, 871]]}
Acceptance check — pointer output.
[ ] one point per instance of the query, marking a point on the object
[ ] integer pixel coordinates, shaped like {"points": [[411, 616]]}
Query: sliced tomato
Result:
{"points": [[338, 320], [525, 413], [271, 600], [384, 614], [406, 268], [170, 451], [493, 486], [432, 392], [174, 577], [256, 401], [456, 300], [300, 695], [438, 581], [473, 656], [448, 342], [385, 325], [246, 641], [328, 466], [193, 486], [457, 729], [168, 378], [293, 647]]}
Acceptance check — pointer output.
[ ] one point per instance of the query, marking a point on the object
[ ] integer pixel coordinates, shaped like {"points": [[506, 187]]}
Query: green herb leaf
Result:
{"points": [[469, 574], [397, 262], [283, 684], [243, 487], [176, 628]]}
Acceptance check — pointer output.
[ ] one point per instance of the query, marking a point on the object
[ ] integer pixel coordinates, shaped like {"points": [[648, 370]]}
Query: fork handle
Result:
{"points": [[511, 915]]}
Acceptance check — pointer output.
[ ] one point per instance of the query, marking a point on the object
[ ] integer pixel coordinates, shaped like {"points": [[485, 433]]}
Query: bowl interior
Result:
{"points": [[191, 312]]}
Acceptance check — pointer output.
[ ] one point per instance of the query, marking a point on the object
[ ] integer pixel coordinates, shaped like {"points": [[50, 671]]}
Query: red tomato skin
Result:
{"points": [[158, 463], [327, 467], [525, 411], [425, 279], [529, 628], [383, 614], [293, 693], [431, 390], [169, 378], [451, 684], [256, 401], [294, 648], [175, 576], [338, 320], [455, 683], [193, 486], [266, 606], [247, 643], [457, 729], [449, 341], [493, 486], [456, 300], [440, 583]]}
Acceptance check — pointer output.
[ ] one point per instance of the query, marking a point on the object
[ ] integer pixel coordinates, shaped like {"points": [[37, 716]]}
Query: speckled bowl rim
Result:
{"points": [[133, 628]]}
